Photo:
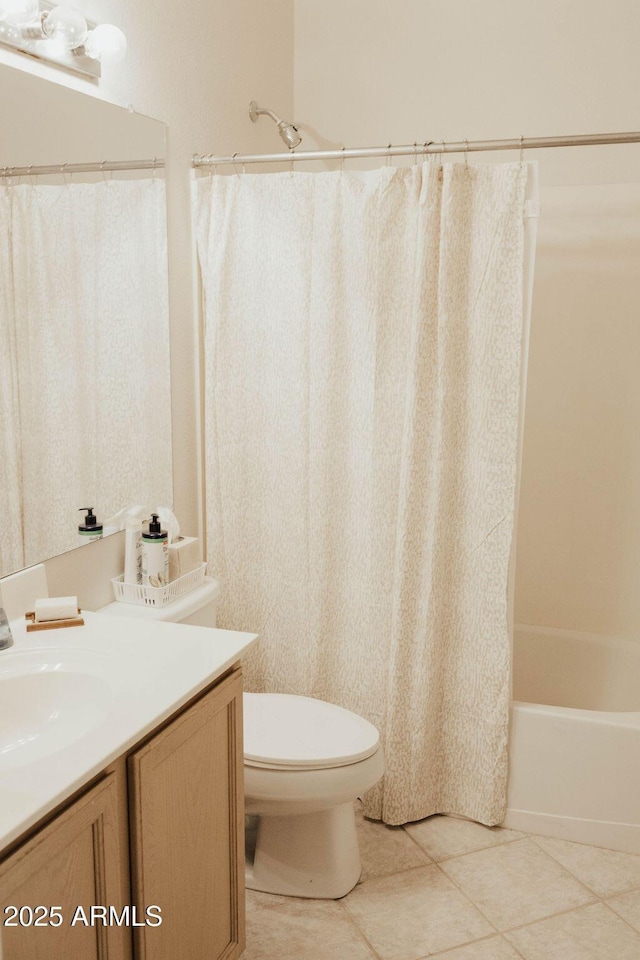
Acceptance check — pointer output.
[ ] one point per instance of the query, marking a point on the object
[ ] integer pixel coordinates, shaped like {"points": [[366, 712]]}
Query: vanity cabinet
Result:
{"points": [[77, 860], [187, 831], [164, 827]]}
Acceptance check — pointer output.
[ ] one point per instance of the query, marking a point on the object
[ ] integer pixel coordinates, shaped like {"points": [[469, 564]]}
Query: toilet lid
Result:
{"points": [[283, 730]]}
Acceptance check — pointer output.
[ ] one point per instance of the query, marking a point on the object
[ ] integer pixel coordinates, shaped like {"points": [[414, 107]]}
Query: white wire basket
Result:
{"points": [[158, 596]]}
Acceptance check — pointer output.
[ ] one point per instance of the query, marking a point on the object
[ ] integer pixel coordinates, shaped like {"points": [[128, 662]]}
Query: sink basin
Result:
{"points": [[48, 700]]}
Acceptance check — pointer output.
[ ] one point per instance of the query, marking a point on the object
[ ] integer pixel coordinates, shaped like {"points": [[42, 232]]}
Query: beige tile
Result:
{"points": [[385, 850], [516, 883], [287, 928], [628, 907], [413, 914], [444, 837], [591, 933], [493, 949], [606, 872]]}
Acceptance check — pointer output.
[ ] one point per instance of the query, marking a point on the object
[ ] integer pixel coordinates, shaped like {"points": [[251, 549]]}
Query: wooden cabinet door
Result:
{"points": [[76, 860], [187, 831]]}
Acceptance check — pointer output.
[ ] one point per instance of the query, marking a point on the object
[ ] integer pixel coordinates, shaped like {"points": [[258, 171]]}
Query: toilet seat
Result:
{"points": [[287, 732]]}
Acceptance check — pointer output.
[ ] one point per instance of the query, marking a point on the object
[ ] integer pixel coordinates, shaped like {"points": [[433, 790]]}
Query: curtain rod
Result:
{"points": [[107, 166], [413, 149]]}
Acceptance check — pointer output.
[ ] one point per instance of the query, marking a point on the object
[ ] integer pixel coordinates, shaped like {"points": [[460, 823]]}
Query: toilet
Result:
{"points": [[305, 763]]}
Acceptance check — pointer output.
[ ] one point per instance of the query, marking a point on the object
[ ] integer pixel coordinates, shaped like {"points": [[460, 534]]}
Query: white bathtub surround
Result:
{"points": [[575, 738], [362, 370], [580, 497], [85, 234]]}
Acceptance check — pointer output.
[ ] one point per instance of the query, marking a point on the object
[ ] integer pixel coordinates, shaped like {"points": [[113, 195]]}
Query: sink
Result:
{"points": [[48, 700]]}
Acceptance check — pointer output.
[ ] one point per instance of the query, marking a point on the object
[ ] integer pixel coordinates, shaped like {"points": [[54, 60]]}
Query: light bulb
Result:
{"points": [[106, 43], [19, 11], [67, 26]]}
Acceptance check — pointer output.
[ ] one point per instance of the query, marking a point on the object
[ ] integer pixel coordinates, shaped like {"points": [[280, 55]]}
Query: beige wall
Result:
{"points": [[375, 71], [195, 66], [379, 71], [372, 72]]}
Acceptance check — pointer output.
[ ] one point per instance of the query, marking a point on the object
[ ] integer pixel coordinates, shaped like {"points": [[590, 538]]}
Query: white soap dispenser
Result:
{"points": [[155, 554], [133, 550]]}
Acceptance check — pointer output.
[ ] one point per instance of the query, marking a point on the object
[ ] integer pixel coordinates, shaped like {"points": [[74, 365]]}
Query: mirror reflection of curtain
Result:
{"points": [[92, 354], [11, 544]]}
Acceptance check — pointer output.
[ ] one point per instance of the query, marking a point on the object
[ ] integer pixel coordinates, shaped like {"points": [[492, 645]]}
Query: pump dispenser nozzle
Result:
{"points": [[154, 524]]}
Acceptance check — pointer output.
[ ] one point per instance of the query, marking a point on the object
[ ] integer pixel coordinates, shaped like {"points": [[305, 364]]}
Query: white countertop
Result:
{"points": [[144, 672]]}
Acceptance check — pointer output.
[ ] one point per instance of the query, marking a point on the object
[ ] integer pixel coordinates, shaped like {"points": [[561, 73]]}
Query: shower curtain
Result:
{"points": [[362, 353], [11, 541], [86, 265]]}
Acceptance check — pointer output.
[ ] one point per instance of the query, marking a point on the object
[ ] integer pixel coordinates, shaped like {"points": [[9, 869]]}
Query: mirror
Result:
{"points": [[85, 406]]}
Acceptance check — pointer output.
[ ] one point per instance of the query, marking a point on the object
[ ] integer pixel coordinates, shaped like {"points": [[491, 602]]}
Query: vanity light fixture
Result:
{"points": [[60, 34]]}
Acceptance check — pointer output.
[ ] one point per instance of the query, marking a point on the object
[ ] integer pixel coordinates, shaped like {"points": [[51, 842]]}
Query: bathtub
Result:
{"points": [[574, 751]]}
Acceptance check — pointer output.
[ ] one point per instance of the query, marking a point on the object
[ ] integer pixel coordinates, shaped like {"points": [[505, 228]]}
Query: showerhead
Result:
{"points": [[289, 133]]}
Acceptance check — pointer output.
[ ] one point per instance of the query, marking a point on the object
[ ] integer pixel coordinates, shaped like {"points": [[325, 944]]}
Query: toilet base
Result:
{"points": [[309, 855]]}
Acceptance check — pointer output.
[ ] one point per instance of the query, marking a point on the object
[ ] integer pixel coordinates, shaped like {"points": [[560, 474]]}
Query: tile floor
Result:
{"points": [[455, 890]]}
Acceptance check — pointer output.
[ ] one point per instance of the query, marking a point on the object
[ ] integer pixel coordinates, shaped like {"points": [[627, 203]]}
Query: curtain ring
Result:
{"points": [[342, 161], [521, 149], [415, 153], [233, 159], [63, 167], [466, 152], [388, 160], [155, 163], [104, 172]]}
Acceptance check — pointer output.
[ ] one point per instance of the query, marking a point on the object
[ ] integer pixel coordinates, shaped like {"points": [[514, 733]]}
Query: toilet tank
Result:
{"points": [[199, 607]]}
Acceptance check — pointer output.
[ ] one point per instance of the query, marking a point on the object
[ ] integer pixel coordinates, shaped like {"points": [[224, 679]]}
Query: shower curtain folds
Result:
{"points": [[11, 540], [363, 340]]}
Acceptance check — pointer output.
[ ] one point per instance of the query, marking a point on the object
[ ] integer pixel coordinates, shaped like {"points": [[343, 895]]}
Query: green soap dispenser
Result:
{"points": [[155, 554], [90, 530]]}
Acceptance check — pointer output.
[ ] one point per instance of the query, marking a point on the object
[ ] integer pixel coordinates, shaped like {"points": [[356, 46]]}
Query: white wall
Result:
{"points": [[374, 71], [195, 66]]}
